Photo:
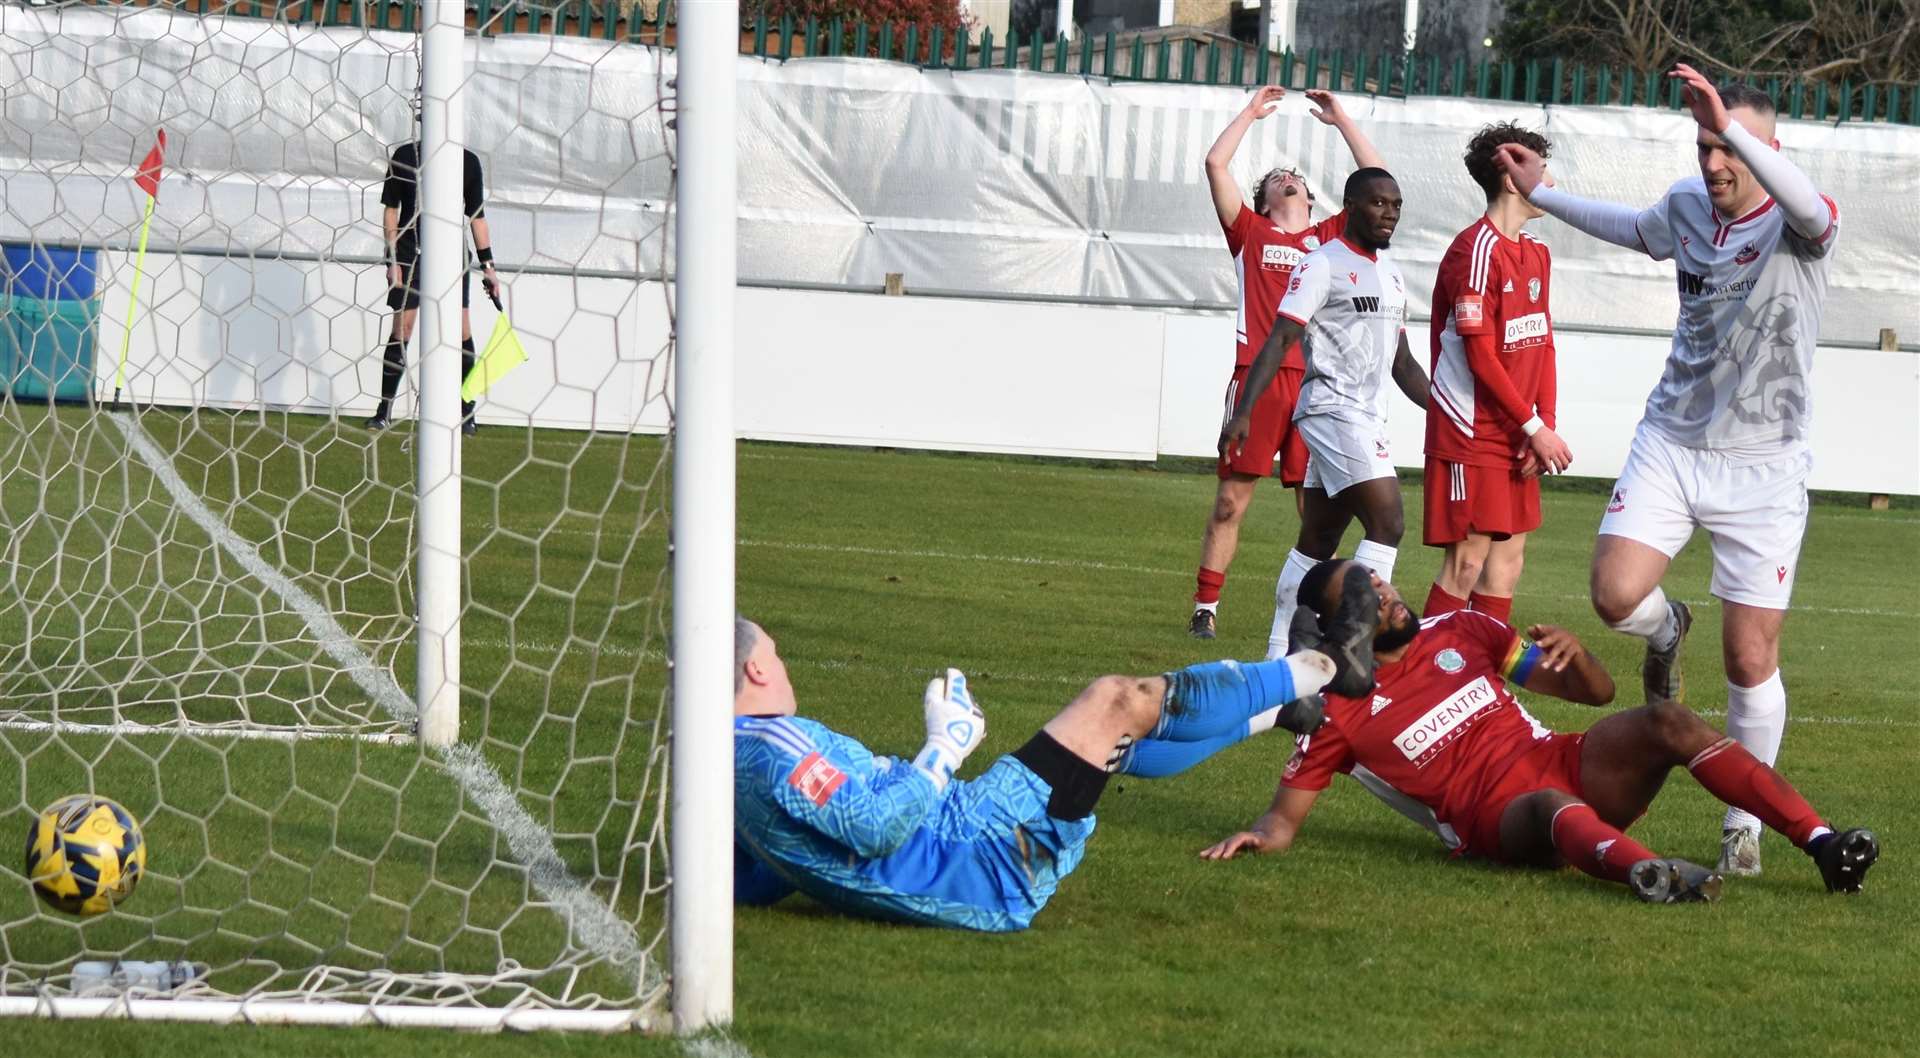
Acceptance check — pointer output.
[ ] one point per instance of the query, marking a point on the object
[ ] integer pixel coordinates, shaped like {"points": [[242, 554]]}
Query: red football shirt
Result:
{"points": [[1263, 260], [1489, 284], [1440, 727]]}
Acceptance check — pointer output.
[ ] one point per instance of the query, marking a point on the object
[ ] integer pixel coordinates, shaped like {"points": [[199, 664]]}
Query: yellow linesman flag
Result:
{"points": [[502, 354]]}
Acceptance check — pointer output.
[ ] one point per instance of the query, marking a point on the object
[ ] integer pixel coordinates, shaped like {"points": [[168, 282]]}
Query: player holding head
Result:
{"points": [[399, 221], [1443, 728], [903, 839], [1266, 242], [1350, 303], [1725, 441], [1491, 415]]}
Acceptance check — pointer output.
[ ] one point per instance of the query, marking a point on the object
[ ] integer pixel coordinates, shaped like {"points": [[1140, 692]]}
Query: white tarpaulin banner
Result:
{"points": [[996, 183]]}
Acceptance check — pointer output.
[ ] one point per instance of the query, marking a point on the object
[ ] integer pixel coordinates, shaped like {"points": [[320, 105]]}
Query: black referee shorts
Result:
{"points": [[407, 296]]}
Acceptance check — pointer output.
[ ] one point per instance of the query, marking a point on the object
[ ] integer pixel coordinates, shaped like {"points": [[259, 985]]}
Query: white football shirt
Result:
{"points": [[1353, 305], [1738, 379]]}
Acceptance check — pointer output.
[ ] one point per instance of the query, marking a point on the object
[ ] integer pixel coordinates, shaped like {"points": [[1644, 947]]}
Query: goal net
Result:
{"points": [[219, 605]]}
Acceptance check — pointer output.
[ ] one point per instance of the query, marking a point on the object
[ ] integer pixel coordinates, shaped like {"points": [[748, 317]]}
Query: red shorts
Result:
{"points": [[1551, 763], [1492, 501], [1271, 432]]}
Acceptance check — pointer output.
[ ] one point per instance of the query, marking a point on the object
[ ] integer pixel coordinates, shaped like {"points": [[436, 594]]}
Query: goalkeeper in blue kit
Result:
{"points": [[903, 840]]}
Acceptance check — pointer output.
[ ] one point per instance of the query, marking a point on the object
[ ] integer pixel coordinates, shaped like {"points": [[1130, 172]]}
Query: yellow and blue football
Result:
{"points": [[85, 854]]}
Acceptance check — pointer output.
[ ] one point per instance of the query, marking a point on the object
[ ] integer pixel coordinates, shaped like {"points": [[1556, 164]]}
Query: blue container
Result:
{"points": [[47, 348], [50, 273]]}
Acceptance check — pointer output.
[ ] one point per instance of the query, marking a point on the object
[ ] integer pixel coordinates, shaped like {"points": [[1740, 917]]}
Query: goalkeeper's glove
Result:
{"points": [[955, 727]]}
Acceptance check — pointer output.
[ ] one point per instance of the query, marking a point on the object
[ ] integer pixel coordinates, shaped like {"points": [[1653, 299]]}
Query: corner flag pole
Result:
{"points": [[148, 180]]}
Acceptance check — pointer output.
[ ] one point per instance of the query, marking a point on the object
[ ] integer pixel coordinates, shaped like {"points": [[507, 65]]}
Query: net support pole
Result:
{"points": [[703, 519], [437, 444]]}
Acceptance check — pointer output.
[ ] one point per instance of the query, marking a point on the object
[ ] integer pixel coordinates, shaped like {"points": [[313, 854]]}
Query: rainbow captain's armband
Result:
{"points": [[1520, 662]]}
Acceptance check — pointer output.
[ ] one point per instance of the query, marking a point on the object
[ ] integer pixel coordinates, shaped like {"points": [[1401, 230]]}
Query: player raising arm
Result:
{"points": [[1266, 241], [1349, 302], [1444, 729], [1725, 441], [1490, 424]]}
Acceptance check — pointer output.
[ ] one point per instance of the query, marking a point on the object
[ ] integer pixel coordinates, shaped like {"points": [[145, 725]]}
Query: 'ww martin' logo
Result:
{"points": [[1366, 304]]}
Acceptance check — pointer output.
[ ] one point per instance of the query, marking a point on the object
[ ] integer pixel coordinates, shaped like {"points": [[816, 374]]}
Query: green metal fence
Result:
{"points": [[1152, 56], [1222, 61]]}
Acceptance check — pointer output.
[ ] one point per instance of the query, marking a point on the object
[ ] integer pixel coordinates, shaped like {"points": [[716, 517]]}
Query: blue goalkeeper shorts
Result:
{"points": [[989, 858]]}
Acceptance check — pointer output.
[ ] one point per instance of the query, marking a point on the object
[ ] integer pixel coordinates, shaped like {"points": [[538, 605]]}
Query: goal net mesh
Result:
{"points": [[207, 606]]}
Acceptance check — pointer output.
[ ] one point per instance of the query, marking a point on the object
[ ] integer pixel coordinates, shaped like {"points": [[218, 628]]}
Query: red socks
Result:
{"points": [[1495, 606], [1209, 583], [1594, 846], [1738, 778], [1439, 602]]}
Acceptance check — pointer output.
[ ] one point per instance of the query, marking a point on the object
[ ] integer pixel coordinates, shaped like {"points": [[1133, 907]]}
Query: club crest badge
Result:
{"points": [[1311, 242], [1449, 661], [1533, 289]]}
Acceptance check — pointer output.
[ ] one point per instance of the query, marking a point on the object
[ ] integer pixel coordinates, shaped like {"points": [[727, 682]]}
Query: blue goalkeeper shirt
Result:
{"points": [[872, 835]]}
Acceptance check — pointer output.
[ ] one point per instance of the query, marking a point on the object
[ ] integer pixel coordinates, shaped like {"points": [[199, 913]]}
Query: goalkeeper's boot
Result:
{"points": [[1844, 859], [1660, 669], [1303, 715], [382, 418], [1201, 626], [1349, 633], [1673, 882], [468, 425]]}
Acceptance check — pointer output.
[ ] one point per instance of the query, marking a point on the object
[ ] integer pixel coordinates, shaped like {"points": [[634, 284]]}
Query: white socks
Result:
{"points": [[1259, 723], [1377, 557], [1652, 621], [1756, 718], [1286, 597], [1286, 594]]}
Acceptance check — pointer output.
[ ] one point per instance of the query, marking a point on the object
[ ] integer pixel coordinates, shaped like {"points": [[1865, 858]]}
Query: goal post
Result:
{"points": [[443, 239], [421, 727], [703, 520]]}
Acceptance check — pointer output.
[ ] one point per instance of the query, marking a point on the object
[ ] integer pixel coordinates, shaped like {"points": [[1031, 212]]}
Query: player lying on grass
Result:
{"points": [[883, 837], [1442, 727]]}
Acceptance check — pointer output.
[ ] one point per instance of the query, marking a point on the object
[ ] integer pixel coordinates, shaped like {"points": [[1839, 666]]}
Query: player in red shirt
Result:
{"points": [[1442, 728], [1490, 424], [1266, 241]]}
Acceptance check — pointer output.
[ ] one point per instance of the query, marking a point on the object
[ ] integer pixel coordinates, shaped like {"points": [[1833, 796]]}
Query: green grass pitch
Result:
{"points": [[875, 568]]}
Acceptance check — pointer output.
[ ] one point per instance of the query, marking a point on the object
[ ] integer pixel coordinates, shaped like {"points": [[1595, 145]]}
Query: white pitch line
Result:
{"points": [[358, 664], [1818, 718], [1101, 566], [531, 646], [591, 921], [243, 734], [544, 649]]}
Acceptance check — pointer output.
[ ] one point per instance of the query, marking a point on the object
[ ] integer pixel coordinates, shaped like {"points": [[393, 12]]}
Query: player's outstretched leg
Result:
{"points": [[1550, 826], [1155, 758], [1217, 698], [1625, 757]]}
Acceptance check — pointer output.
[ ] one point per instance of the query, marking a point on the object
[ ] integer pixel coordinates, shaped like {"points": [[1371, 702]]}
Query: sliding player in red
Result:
{"points": [[1266, 241], [1442, 727], [1491, 417]]}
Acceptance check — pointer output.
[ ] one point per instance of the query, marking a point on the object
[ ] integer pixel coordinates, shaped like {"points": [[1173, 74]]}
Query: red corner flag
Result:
{"points": [[148, 178]]}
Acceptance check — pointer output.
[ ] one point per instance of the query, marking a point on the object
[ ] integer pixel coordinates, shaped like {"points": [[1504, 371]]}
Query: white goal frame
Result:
{"points": [[700, 908]]}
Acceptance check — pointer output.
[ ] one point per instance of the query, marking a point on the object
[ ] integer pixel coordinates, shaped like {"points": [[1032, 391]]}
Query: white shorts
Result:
{"points": [[1757, 513], [1343, 452]]}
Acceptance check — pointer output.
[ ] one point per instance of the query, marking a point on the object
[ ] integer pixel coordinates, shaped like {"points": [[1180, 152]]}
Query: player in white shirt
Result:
{"points": [[1349, 301], [1724, 443]]}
